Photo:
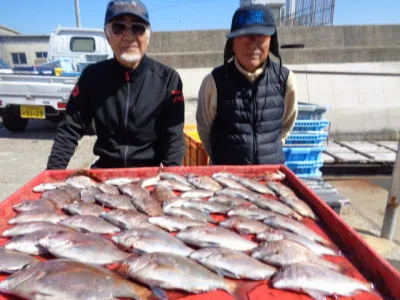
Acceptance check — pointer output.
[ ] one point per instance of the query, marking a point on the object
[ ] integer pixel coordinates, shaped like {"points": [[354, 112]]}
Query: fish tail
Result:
{"points": [[240, 291]]}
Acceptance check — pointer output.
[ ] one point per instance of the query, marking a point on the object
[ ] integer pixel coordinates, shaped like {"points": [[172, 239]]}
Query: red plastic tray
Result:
{"points": [[360, 260]]}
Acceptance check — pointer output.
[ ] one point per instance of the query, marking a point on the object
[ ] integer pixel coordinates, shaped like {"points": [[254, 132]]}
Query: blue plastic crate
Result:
{"points": [[310, 125], [303, 153], [301, 168], [308, 111], [306, 138]]}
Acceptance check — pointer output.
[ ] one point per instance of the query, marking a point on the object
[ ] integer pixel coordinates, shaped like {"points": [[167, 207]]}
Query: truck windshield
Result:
{"points": [[82, 44]]}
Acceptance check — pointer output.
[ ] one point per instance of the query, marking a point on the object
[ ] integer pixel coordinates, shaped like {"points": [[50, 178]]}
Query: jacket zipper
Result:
{"points": [[254, 124], [126, 117]]}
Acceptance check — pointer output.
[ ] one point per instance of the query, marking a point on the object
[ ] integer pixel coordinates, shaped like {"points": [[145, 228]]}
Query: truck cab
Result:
{"points": [[42, 93]]}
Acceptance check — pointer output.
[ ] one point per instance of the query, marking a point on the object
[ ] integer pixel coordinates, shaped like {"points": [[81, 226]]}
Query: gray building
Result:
{"points": [[22, 50]]}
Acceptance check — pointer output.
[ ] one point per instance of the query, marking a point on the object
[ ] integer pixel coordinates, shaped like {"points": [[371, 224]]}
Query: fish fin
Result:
{"points": [[159, 293], [317, 295], [240, 291]]}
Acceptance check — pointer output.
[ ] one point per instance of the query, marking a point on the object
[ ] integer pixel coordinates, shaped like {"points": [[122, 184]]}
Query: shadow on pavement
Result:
{"points": [[36, 130]]}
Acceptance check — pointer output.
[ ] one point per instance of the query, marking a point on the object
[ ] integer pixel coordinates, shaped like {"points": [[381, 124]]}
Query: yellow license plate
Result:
{"points": [[32, 112]]}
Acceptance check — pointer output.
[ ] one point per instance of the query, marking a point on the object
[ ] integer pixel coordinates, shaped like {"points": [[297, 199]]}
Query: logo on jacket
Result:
{"points": [[75, 92], [178, 96]]}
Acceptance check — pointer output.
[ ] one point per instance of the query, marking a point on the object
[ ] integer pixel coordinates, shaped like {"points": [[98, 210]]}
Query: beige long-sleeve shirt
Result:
{"points": [[207, 105]]}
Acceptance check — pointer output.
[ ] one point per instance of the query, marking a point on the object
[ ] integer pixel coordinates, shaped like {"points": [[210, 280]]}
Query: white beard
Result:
{"points": [[130, 58]]}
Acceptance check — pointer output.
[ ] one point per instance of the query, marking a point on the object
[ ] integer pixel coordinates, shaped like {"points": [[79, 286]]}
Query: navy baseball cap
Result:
{"points": [[117, 8], [253, 19]]}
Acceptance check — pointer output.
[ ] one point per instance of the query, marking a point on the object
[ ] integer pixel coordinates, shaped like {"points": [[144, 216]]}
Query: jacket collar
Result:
{"points": [[251, 76], [131, 74]]}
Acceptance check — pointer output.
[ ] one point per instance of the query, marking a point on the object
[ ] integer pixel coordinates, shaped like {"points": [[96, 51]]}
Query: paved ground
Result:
{"points": [[23, 156]]}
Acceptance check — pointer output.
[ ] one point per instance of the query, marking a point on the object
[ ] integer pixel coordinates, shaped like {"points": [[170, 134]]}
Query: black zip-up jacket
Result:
{"points": [[138, 116]]}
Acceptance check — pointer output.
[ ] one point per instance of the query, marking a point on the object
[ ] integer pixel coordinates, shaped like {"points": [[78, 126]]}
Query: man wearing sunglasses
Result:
{"points": [[136, 103], [247, 107]]}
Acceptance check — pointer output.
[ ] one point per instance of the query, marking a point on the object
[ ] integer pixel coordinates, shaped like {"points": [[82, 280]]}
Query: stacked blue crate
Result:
{"points": [[304, 147]]}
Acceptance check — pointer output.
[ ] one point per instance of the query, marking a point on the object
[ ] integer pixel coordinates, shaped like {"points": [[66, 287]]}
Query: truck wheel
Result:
{"points": [[13, 121]]}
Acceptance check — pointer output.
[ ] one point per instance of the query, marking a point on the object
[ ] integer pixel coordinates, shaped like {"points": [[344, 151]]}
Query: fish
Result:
{"points": [[43, 187], [88, 195], [90, 224], [128, 219], [300, 206], [209, 236], [37, 216], [247, 195], [142, 199], [280, 189], [251, 184], [276, 206], [197, 194], [189, 213], [72, 192], [281, 222], [270, 235], [34, 205], [285, 252], [108, 189], [178, 202], [13, 261], [64, 279], [319, 282], [174, 272], [150, 241], [243, 225], [115, 201], [122, 181], [233, 202], [233, 264], [146, 182], [275, 235], [174, 177], [84, 247], [206, 207], [162, 192], [59, 197], [176, 186], [26, 228], [204, 183], [29, 243], [253, 213], [83, 209], [81, 181], [173, 223], [271, 176], [228, 182]]}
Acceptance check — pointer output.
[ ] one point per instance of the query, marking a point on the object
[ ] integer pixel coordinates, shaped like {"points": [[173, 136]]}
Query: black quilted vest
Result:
{"points": [[249, 116]]}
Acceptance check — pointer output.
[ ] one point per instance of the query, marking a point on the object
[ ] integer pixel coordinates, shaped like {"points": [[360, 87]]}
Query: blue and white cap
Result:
{"points": [[253, 19]]}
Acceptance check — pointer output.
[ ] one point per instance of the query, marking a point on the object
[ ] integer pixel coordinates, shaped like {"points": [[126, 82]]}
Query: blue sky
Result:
{"points": [[40, 17]]}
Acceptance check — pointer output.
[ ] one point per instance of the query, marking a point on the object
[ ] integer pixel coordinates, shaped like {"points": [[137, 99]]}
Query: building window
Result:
{"points": [[82, 44], [19, 58], [41, 54]]}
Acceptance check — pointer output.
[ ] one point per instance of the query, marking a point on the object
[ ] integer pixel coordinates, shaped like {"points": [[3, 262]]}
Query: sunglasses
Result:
{"points": [[119, 28]]}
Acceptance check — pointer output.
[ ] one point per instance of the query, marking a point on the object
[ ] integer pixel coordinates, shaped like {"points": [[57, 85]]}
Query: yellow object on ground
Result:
{"points": [[195, 155]]}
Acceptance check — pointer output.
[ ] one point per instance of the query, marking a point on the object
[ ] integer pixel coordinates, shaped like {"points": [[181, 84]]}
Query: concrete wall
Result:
{"points": [[336, 44], [360, 105]]}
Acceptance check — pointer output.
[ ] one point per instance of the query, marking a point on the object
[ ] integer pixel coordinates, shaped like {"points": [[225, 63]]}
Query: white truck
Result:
{"points": [[42, 93]]}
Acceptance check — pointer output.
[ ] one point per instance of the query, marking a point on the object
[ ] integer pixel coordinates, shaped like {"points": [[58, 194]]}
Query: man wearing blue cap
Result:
{"points": [[136, 103], [247, 107]]}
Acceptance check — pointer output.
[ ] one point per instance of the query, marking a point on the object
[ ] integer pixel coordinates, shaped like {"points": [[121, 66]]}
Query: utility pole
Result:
{"points": [[78, 14], [393, 202]]}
